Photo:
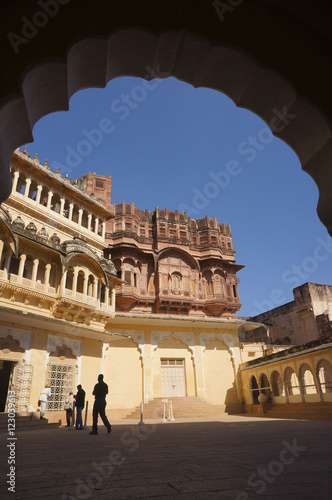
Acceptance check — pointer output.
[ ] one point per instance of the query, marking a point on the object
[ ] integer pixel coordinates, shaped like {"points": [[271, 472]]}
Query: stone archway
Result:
{"points": [[189, 43]]}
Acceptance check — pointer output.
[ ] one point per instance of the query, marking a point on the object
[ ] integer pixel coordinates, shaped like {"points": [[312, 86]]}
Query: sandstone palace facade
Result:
{"points": [[148, 298]]}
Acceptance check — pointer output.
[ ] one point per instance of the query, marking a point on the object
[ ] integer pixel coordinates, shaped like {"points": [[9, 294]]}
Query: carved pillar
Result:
{"points": [[9, 256], [113, 299], [16, 176], [21, 267], [95, 289], [34, 270], [80, 215], [96, 225], [47, 276], [71, 208], [62, 206], [1, 248], [49, 199], [74, 288], [103, 224], [85, 285], [107, 295], [89, 221], [38, 195], [27, 187], [63, 282]]}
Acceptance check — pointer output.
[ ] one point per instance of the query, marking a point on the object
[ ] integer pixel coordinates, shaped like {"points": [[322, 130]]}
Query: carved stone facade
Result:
{"points": [[169, 263]]}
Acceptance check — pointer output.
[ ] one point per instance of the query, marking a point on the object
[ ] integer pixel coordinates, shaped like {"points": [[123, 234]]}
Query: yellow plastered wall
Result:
{"points": [[220, 387], [38, 361], [90, 367], [123, 374], [175, 349]]}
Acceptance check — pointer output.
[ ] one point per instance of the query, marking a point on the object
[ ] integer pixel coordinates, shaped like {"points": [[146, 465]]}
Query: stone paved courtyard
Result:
{"points": [[234, 457]]}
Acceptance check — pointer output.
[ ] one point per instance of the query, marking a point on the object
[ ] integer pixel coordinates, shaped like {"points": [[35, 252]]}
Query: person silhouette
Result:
{"points": [[99, 392]]}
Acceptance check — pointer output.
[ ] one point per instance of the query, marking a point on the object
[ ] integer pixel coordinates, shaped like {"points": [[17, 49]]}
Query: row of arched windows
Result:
{"points": [[291, 383]]}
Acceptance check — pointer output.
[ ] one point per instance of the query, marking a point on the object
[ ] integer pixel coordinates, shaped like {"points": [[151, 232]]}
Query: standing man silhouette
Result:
{"points": [[99, 392]]}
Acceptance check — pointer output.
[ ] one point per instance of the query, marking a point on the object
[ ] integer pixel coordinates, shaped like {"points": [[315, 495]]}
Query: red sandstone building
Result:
{"points": [[169, 263]]}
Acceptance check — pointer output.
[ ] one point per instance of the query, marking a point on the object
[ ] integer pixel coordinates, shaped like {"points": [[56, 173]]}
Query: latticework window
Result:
{"points": [[61, 380], [22, 386]]}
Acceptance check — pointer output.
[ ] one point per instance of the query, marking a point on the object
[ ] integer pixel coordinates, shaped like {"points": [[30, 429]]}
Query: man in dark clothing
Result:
{"points": [[79, 404], [99, 392]]}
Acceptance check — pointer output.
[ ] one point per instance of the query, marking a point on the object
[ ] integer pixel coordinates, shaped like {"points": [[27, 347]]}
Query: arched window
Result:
{"points": [[20, 186], [85, 219], [217, 284], [3, 259], [41, 271], [53, 275], [91, 281], [55, 203], [254, 390], [127, 274], [307, 380], [44, 197], [325, 375], [75, 214], [291, 381], [102, 293], [176, 282], [265, 387], [27, 273], [14, 265], [69, 278], [208, 285], [80, 282]]}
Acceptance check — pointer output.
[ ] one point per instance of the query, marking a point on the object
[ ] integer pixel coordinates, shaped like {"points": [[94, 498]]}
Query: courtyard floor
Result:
{"points": [[233, 457]]}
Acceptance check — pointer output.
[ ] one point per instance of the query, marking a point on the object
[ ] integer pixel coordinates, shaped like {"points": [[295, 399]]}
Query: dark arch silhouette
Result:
{"points": [[241, 52]]}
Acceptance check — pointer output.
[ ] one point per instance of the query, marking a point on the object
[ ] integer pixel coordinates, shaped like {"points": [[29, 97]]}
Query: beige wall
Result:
{"points": [[219, 374], [123, 374]]}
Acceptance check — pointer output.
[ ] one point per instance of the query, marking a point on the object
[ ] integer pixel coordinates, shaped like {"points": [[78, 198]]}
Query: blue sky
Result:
{"points": [[169, 145]]}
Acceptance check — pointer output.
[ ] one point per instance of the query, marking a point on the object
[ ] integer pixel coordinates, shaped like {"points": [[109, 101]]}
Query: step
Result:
{"points": [[182, 408], [310, 411], [25, 421]]}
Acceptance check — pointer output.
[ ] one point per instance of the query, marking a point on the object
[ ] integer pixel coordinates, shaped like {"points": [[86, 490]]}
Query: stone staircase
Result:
{"points": [[24, 421], [185, 407], [309, 411]]}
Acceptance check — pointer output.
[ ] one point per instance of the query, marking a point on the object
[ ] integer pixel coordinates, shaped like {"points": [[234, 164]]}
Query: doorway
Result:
{"points": [[6, 377], [173, 380]]}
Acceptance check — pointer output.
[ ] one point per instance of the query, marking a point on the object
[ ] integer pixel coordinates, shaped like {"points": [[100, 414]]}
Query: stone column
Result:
{"points": [[89, 221], [103, 224], [301, 388], [9, 256], [27, 187], [71, 209], [85, 285], [113, 299], [39, 191], [49, 199], [63, 282], [34, 270], [1, 248], [47, 276], [21, 267], [80, 215], [95, 290], [74, 288], [107, 295], [16, 176], [96, 225], [62, 206]]}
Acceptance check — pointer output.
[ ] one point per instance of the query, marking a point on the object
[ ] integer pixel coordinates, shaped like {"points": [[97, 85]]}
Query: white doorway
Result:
{"points": [[173, 380]]}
